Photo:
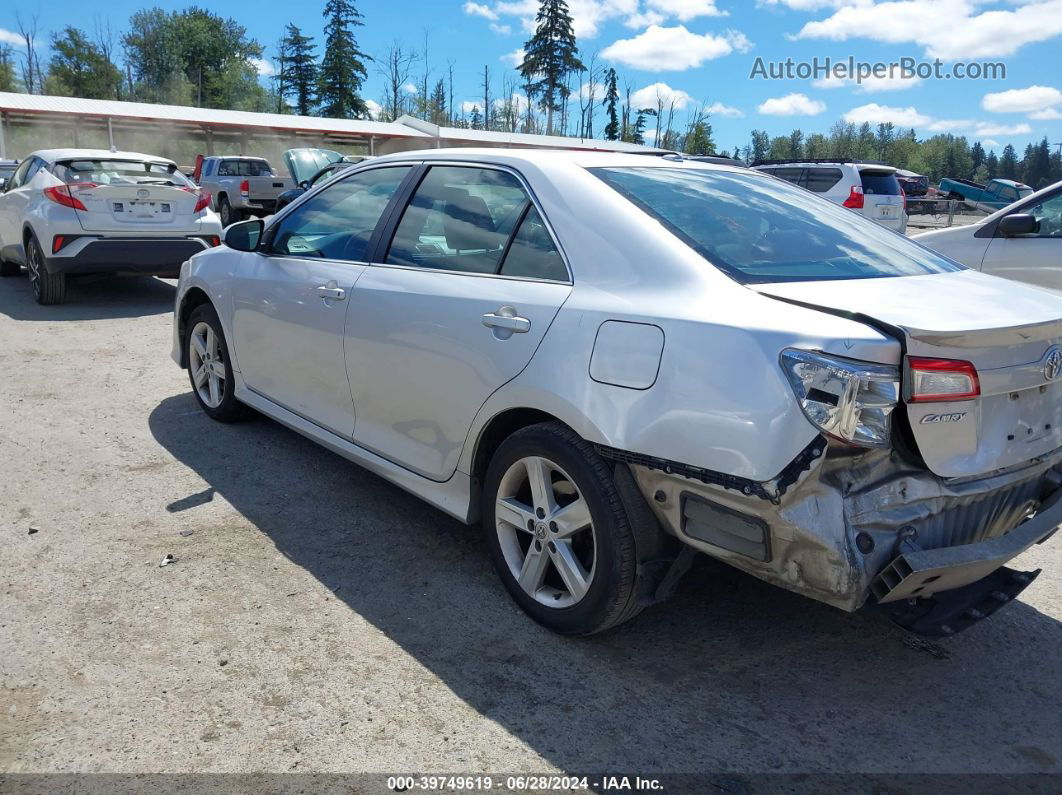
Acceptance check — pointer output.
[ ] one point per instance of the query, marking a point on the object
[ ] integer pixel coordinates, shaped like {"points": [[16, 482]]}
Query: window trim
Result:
{"points": [[393, 220]]}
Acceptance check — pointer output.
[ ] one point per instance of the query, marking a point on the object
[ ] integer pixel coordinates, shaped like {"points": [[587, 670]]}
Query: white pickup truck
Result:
{"points": [[240, 186]]}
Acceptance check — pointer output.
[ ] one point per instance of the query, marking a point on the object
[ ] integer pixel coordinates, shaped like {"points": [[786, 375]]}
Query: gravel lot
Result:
{"points": [[319, 619]]}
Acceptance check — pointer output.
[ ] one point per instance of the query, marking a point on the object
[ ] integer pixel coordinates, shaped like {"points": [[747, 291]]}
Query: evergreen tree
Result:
{"points": [[977, 155], [550, 56], [7, 68], [80, 69], [992, 165], [761, 146], [698, 140], [298, 69], [342, 69], [475, 118], [1008, 163], [437, 105], [612, 129]]}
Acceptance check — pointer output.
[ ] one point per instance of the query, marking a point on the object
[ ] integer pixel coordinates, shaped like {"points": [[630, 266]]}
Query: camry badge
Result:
{"points": [[1053, 363]]}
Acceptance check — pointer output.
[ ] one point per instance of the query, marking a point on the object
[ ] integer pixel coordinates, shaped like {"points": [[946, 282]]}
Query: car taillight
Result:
{"points": [[57, 243], [941, 380], [903, 198], [202, 198], [214, 240], [855, 198], [245, 188], [61, 194], [846, 399]]}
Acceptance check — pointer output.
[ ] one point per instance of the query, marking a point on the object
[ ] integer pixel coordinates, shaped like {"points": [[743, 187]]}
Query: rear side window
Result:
{"points": [[820, 180], [532, 254], [788, 174], [338, 222], [880, 183], [244, 168], [760, 230]]}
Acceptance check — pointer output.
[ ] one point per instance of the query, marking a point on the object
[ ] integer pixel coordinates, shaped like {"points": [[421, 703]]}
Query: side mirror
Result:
{"points": [[305, 184], [3, 184], [245, 235], [1017, 224]]}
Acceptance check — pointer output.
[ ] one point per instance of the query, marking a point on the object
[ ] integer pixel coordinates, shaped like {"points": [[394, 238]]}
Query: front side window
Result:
{"points": [[338, 222], [19, 177], [460, 219], [758, 230], [1049, 214], [793, 175]]}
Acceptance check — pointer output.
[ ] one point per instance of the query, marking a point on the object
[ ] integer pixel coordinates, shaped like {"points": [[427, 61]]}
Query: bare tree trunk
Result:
{"points": [[486, 98], [31, 75], [450, 112]]}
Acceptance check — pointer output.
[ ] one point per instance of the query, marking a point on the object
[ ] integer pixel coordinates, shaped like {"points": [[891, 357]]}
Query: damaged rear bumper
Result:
{"points": [[865, 525]]}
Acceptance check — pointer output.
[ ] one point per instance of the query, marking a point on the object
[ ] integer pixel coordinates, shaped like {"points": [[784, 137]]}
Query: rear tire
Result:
{"points": [[534, 542], [48, 288], [225, 212], [210, 368]]}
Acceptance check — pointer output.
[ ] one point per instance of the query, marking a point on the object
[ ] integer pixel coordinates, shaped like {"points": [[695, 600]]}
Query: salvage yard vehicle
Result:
{"points": [[614, 362], [994, 195], [86, 211], [7, 168], [310, 167], [240, 186], [869, 189], [1023, 241]]}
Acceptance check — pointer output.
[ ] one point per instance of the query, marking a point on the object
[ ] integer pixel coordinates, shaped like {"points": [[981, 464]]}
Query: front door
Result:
{"points": [[467, 289], [1034, 258], [290, 298]]}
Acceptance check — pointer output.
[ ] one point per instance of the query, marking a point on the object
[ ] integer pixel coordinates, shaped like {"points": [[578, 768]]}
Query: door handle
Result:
{"points": [[506, 319], [331, 292]]}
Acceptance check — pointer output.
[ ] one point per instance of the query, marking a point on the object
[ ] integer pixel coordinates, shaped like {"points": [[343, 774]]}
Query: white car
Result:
{"points": [[1022, 241], [78, 211], [869, 189], [615, 361]]}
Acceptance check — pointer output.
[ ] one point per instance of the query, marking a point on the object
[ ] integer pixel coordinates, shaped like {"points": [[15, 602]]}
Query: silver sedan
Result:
{"points": [[615, 361]]}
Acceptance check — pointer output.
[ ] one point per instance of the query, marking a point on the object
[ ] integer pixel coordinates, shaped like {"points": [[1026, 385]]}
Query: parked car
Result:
{"points": [[994, 195], [914, 185], [312, 167], [7, 168], [78, 211], [614, 362], [719, 160], [1023, 241], [870, 189], [240, 186]]}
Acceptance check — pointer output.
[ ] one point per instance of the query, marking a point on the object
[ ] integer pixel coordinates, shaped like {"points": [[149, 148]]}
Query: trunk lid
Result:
{"points": [[1010, 332], [138, 206]]}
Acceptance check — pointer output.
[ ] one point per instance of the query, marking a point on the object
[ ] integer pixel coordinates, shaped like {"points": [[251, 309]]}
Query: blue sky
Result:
{"points": [[702, 51]]}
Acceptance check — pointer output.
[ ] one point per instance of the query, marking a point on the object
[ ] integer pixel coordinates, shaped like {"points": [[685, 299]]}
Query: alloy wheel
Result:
{"points": [[207, 364], [33, 265], [545, 531]]}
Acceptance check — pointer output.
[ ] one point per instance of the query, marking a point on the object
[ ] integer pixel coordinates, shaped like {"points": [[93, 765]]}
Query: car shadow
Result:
{"points": [[90, 298], [730, 675]]}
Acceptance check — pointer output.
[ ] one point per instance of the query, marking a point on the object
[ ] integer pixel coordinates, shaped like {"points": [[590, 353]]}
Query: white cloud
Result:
{"points": [[1048, 114], [1022, 100], [12, 38], [595, 90], [263, 66], [869, 85], [685, 10], [514, 58], [409, 88], [479, 10], [719, 109], [910, 117], [374, 108], [660, 94], [501, 30], [661, 49], [990, 143], [792, 105], [947, 29], [467, 106], [519, 101]]}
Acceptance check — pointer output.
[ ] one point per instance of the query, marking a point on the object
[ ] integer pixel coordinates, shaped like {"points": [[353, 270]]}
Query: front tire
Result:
{"points": [[48, 288], [210, 367], [558, 533]]}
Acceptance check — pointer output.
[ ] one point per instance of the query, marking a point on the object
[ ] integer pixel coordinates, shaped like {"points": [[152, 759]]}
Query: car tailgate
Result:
{"points": [[136, 207], [1011, 334]]}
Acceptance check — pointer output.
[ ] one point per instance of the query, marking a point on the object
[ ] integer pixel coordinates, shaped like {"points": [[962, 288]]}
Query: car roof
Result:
{"points": [[830, 164], [55, 155], [1012, 182]]}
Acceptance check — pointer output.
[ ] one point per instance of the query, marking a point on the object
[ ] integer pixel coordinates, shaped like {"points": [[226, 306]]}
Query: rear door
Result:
{"points": [[465, 290], [128, 196], [1035, 258], [882, 196], [290, 298]]}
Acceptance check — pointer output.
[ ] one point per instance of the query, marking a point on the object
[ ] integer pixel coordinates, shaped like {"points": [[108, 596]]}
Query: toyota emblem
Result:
{"points": [[143, 193], [1053, 363]]}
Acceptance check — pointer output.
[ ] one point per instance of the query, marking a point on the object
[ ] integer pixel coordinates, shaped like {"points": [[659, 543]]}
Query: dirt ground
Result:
{"points": [[320, 619]]}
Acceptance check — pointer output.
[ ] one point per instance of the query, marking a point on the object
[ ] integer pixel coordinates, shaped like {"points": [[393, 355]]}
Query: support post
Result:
{"points": [[110, 133], [372, 145], [3, 140]]}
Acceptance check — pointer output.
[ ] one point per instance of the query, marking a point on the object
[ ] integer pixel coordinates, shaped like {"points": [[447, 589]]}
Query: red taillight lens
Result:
{"points": [[941, 380], [214, 240], [855, 198], [60, 194], [903, 198], [245, 188], [57, 243], [203, 202]]}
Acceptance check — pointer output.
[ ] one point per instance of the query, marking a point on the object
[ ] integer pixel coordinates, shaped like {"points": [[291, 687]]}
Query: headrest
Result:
{"points": [[468, 224]]}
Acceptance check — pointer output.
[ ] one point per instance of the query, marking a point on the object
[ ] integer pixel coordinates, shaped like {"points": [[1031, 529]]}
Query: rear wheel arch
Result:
{"points": [[193, 298], [499, 428]]}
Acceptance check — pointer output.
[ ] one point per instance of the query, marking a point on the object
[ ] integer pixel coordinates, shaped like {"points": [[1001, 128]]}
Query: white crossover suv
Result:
{"points": [[614, 362], [78, 211], [870, 189]]}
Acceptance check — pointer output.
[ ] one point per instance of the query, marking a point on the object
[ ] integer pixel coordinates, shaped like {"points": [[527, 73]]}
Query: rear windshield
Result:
{"points": [[880, 183], [245, 168], [760, 230], [123, 172]]}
